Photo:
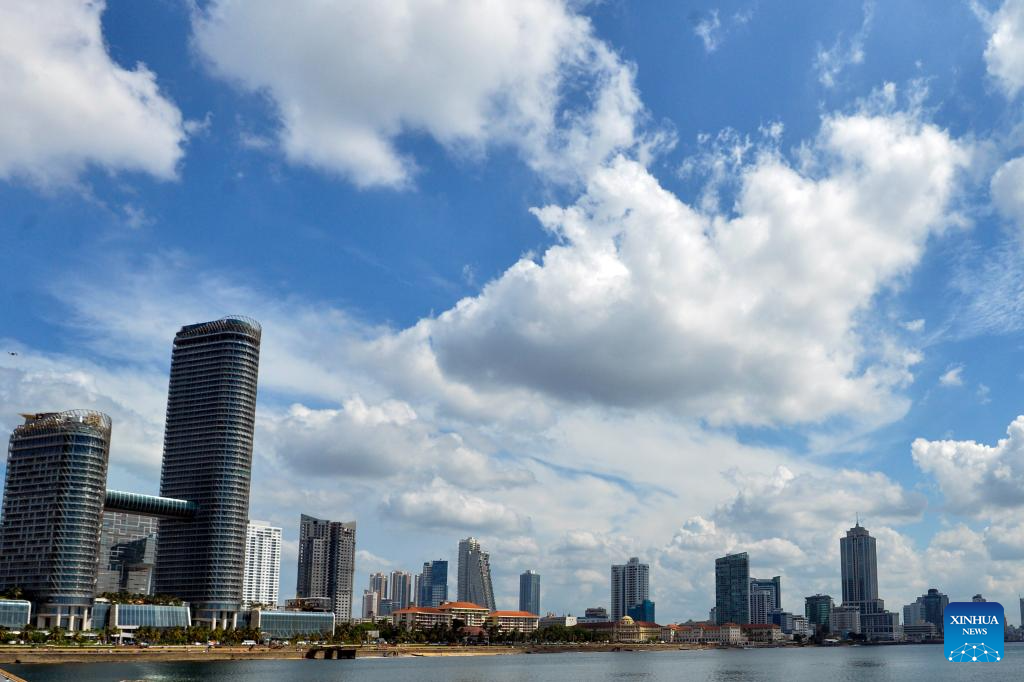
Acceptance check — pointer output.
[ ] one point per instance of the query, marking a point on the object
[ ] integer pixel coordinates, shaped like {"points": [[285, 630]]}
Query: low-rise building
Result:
{"points": [[631, 631], [802, 627], [421, 618], [14, 613], [884, 626], [844, 621], [288, 624], [671, 633], [125, 619], [471, 615], [920, 632], [513, 621], [762, 633], [552, 620]]}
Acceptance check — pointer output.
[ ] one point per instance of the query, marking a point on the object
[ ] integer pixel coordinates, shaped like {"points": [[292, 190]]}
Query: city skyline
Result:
{"points": [[594, 281]]}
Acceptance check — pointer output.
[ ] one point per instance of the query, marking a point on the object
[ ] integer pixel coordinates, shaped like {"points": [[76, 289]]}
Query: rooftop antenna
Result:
{"points": [[858, 518]]}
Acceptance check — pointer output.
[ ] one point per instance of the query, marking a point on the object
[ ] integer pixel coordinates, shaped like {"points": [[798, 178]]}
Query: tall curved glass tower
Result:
{"points": [[211, 410], [53, 503]]}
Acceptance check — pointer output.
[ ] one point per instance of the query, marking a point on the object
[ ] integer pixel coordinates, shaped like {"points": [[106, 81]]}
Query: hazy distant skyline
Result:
{"points": [[586, 281]]}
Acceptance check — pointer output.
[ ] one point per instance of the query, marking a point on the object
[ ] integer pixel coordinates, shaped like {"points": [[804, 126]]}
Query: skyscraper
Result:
{"points": [[401, 590], [859, 565], [933, 607], [211, 410], [630, 586], [765, 597], [818, 610], [127, 553], [54, 491], [262, 578], [327, 562], [379, 584], [433, 584], [732, 589], [529, 592], [475, 574]]}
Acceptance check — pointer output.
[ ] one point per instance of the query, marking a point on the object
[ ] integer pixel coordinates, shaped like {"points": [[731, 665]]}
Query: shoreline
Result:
{"points": [[20, 655]]}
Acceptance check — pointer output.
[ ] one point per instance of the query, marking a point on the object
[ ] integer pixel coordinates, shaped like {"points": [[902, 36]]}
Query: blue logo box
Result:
{"points": [[973, 632]]}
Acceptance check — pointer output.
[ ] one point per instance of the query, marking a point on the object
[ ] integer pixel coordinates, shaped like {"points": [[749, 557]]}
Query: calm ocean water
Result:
{"points": [[845, 664]]}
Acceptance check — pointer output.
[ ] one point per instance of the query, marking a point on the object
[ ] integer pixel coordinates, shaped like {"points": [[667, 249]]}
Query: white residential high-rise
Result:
{"points": [[401, 590], [630, 586], [371, 604], [262, 576]]}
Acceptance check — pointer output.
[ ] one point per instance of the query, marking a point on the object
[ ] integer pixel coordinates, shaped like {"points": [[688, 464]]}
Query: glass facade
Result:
{"points": [[151, 615], [53, 500], [287, 624], [14, 613], [529, 592], [211, 410], [149, 505], [732, 589], [127, 552]]}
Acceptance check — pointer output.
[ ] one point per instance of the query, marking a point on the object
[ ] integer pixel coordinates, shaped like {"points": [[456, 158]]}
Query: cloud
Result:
{"points": [[1004, 54], [749, 317], [442, 505], [829, 63], [1008, 190], [952, 377], [68, 106], [976, 479], [348, 81], [708, 30]]}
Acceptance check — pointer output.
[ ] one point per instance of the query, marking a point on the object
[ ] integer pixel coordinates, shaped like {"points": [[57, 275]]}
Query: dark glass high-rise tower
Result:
{"points": [[732, 589], [53, 502], [211, 410], [859, 567]]}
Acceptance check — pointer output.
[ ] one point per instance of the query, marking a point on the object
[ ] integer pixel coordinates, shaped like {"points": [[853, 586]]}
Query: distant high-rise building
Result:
{"points": [[765, 596], [371, 604], [934, 605], [211, 412], [978, 598], [54, 492], [859, 564], [596, 613], [262, 580], [379, 584], [401, 590], [327, 562], [642, 612], [475, 574], [127, 553], [818, 610], [630, 585], [529, 592], [913, 614], [732, 589], [433, 590]]}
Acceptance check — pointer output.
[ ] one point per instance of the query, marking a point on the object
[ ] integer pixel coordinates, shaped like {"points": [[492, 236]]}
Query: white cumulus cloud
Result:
{"points": [[1004, 54], [1008, 191], [349, 79], [68, 106]]}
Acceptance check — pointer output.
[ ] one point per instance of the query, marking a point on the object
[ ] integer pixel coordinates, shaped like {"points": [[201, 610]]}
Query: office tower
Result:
{"points": [[913, 614], [371, 604], [933, 606], [765, 596], [596, 613], [642, 612], [261, 582], [630, 585], [818, 610], [327, 562], [401, 590], [127, 553], [859, 565], [211, 410], [53, 502], [475, 574], [379, 584], [529, 592], [433, 584], [732, 589]]}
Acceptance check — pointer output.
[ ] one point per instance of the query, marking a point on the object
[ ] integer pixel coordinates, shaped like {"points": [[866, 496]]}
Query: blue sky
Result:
{"points": [[585, 280]]}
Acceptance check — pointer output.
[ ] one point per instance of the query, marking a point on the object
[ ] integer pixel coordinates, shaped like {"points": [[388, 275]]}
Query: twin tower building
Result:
{"points": [[55, 489]]}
